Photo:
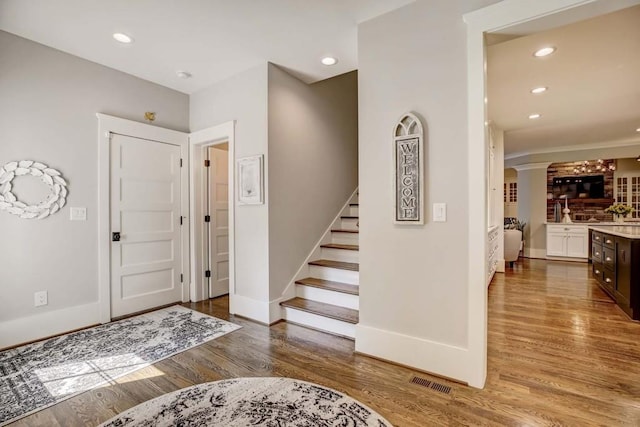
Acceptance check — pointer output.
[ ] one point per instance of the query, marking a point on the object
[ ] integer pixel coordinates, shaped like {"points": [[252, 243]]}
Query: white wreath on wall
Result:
{"points": [[52, 204]]}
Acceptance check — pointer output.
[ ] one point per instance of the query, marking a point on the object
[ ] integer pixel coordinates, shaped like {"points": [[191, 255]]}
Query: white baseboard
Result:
{"points": [[250, 308], [430, 356], [25, 329], [500, 266], [535, 253]]}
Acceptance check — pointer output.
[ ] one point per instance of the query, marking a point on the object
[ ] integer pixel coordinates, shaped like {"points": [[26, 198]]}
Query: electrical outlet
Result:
{"points": [[40, 298], [78, 214]]}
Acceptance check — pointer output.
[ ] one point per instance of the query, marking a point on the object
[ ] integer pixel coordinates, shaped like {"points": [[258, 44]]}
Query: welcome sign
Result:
{"points": [[408, 182]]}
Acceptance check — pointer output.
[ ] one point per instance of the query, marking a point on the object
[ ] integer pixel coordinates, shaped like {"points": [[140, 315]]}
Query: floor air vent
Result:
{"points": [[430, 384]]}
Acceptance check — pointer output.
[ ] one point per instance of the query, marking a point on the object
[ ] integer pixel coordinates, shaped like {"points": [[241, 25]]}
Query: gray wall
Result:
{"points": [[532, 208], [313, 165], [413, 279], [243, 98], [48, 104]]}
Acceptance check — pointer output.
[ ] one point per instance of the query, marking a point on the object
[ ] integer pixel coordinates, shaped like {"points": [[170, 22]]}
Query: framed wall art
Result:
{"points": [[408, 181], [251, 180]]}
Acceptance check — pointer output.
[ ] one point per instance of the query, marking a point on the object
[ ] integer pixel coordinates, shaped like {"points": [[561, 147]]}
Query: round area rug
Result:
{"points": [[272, 402]]}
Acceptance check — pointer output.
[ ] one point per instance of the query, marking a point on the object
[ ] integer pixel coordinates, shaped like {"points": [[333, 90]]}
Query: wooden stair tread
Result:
{"points": [[326, 310], [341, 246], [342, 230], [352, 266], [350, 217], [345, 288]]}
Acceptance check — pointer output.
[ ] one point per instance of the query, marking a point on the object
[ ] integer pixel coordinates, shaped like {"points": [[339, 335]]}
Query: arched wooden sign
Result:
{"points": [[408, 156]]}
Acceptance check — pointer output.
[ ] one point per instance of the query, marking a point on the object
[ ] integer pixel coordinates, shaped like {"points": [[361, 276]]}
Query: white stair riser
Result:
{"points": [[353, 210], [334, 274], [340, 255], [349, 223], [344, 238], [328, 297], [319, 322]]}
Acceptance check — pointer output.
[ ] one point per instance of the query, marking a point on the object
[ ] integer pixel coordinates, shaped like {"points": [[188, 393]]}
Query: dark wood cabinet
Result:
{"points": [[616, 267], [624, 273]]}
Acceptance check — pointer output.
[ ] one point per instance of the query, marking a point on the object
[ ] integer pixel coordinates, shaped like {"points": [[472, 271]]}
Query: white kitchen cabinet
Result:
{"points": [[567, 241]]}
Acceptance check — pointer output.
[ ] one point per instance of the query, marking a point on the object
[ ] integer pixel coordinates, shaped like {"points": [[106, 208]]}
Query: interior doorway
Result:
{"points": [[217, 219], [212, 263]]}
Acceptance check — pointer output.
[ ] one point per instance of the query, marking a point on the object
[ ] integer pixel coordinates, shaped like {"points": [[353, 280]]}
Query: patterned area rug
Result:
{"points": [[35, 376], [273, 402]]}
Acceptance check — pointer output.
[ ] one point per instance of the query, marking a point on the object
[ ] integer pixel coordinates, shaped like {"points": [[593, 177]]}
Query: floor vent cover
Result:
{"points": [[429, 384]]}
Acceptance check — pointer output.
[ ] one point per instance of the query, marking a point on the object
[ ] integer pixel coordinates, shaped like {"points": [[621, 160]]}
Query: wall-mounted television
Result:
{"points": [[579, 187]]}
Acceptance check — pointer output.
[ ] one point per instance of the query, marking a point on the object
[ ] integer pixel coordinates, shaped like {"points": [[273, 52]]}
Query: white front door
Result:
{"points": [[219, 225], [145, 210]]}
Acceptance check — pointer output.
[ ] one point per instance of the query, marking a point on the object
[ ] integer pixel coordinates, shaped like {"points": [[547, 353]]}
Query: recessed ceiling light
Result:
{"points": [[122, 38], [539, 89], [535, 116], [638, 130], [544, 51], [329, 60], [183, 74]]}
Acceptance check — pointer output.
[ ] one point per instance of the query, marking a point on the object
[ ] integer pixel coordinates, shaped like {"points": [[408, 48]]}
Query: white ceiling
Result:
{"points": [[593, 80], [211, 39]]}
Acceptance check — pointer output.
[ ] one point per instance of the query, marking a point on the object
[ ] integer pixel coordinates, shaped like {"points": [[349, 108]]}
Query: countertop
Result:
{"points": [[620, 231]]}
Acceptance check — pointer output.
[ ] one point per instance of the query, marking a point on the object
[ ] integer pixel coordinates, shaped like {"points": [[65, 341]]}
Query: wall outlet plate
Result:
{"points": [[78, 214], [439, 212], [40, 298]]}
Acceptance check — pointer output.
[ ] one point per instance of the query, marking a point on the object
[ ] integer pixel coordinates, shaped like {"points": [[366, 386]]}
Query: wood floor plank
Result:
{"points": [[560, 354]]}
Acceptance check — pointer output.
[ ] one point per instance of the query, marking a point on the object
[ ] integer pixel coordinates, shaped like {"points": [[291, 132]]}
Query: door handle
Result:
{"points": [[115, 236]]}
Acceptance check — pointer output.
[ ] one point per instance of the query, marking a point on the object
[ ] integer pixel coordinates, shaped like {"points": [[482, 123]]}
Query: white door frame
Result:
{"points": [[491, 18], [108, 125], [198, 142]]}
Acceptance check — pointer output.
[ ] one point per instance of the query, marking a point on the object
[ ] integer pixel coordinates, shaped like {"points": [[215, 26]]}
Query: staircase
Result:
{"points": [[327, 292]]}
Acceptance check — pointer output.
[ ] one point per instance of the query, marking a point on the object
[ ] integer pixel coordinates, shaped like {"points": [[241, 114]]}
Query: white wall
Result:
{"points": [[413, 279], [48, 104], [243, 98], [313, 165]]}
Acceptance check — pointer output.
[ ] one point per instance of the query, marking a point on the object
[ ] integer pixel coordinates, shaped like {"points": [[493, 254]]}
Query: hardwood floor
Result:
{"points": [[560, 354]]}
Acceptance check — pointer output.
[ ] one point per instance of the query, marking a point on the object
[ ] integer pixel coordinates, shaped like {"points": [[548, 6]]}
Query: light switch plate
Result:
{"points": [[439, 212], [78, 214]]}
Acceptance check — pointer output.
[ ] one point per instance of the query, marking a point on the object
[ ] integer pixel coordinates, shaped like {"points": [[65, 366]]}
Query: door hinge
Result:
{"points": [[180, 162], [207, 218], [207, 163], [181, 220], [181, 278], [207, 273]]}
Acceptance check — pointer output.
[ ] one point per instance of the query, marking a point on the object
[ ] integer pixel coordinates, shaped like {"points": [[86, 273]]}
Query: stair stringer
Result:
{"points": [[275, 311]]}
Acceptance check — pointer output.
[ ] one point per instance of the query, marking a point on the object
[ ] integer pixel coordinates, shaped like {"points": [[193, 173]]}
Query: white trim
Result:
{"points": [[198, 142], [534, 253], [252, 308], [531, 166], [491, 18], [25, 329], [621, 143], [108, 125], [441, 359]]}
